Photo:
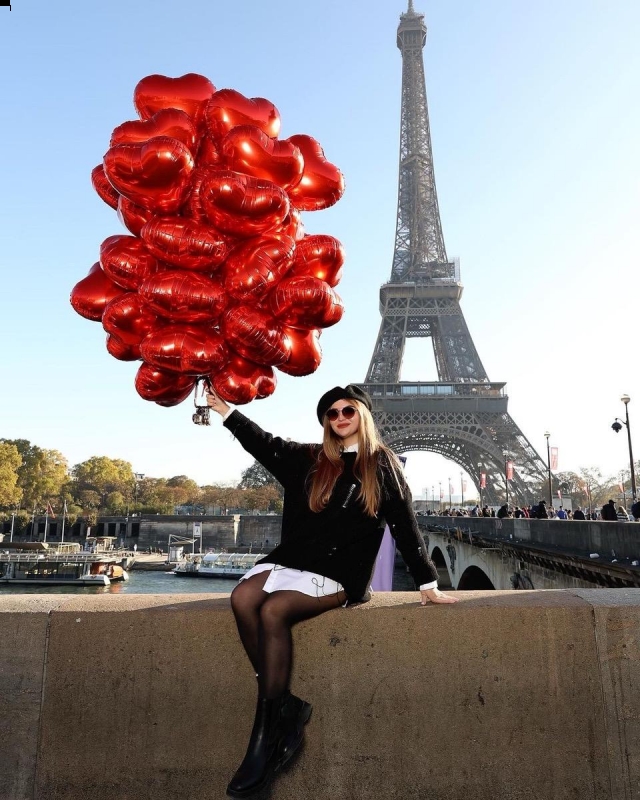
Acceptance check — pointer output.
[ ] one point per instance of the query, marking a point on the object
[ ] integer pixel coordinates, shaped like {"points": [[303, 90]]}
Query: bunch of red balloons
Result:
{"points": [[218, 278]]}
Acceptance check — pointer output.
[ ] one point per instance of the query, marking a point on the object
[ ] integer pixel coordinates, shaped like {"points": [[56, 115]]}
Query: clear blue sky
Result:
{"points": [[535, 123]]}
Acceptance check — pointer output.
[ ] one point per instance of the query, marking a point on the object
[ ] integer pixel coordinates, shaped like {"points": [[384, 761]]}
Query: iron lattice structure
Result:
{"points": [[462, 416]]}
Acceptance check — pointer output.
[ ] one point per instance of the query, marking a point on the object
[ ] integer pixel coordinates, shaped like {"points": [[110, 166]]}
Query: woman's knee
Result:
{"points": [[246, 597], [273, 612]]}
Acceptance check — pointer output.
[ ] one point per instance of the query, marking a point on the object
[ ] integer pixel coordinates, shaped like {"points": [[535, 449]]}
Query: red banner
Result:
{"points": [[509, 470], [483, 480], [553, 458]]}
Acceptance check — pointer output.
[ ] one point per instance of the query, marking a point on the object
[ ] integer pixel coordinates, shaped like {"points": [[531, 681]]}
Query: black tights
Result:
{"points": [[264, 623]]}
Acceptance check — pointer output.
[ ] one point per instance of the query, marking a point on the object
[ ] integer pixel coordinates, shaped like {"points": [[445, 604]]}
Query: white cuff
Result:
{"points": [[426, 586], [230, 411]]}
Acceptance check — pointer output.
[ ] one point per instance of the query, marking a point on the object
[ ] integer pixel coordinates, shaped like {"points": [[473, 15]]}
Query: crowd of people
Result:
{"points": [[610, 512]]}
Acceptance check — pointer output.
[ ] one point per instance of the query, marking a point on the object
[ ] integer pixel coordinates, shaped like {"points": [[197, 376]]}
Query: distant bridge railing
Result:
{"points": [[614, 544]]}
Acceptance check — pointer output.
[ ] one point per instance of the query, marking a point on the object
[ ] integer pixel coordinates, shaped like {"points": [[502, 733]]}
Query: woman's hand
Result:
{"points": [[216, 403], [435, 596]]}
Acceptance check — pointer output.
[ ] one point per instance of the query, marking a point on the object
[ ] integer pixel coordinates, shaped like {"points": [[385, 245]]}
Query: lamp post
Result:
{"points": [[461, 491], [480, 482], [450, 501], [440, 489], [617, 427], [505, 454], [546, 436], [138, 476], [433, 499]]}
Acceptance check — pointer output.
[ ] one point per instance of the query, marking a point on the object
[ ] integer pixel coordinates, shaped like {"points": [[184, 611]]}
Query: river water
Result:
{"points": [[143, 582], [140, 582]]}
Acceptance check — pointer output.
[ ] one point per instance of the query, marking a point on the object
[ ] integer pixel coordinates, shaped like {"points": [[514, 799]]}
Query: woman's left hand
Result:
{"points": [[435, 596]]}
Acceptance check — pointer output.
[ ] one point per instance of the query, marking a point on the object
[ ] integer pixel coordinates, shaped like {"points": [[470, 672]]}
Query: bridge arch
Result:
{"points": [[474, 578], [444, 576]]}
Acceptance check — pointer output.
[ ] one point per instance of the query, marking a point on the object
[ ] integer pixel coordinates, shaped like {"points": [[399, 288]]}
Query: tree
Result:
{"points": [[100, 478], [42, 473], [225, 497], [185, 491], [256, 476], [10, 463]]}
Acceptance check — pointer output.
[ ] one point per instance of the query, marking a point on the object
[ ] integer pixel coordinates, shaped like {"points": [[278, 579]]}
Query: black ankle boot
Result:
{"points": [[295, 714], [262, 758]]}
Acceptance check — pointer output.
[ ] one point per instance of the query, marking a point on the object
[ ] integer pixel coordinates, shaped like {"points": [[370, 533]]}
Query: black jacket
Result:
{"points": [[340, 542], [609, 512]]}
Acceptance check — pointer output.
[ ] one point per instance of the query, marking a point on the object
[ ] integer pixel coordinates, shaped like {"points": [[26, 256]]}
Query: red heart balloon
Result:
{"points": [[208, 153], [321, 256], [240, 381], [248, 150], [192, 207], [122, 351], [228, 108], [164, 387], [154, 174], [126, 260], [184, 296], [185, 243], [255, 335], [241, 205], [255, 266], [305, 302], [90, 296], [292, 226], [103, 188], [133, 217], [322, 183], [189, 93], [168, 122], [190, 350], [129, 319], [306, 353]]}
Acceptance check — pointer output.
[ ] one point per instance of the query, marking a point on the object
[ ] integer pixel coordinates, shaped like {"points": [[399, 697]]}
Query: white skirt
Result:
{"points": [[295, 580]]}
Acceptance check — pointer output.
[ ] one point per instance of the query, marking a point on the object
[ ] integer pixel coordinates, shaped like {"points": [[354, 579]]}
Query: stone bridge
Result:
{"points": [[478, 553]]}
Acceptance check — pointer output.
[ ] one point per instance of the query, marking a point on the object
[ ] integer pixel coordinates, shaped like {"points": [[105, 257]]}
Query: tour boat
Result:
{"points": [[58, 567], [217, 565]]}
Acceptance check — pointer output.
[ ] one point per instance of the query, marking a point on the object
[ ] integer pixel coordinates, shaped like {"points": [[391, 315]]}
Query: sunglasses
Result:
{"points": [[348, 412]]}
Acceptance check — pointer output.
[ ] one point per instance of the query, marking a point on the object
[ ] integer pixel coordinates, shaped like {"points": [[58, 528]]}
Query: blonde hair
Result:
{"points": [[329, 466]]}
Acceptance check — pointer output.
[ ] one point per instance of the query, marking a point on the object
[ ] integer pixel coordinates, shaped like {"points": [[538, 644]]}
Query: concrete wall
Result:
{"points": [[527, 695]]}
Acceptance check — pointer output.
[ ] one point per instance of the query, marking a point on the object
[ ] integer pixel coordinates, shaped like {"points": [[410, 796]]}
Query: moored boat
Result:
{"points": [[217, 565], [38, 564]]}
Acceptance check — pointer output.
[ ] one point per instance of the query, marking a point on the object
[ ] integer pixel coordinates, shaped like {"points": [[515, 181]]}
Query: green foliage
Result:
{"points": [[10, 463], [256, 477], [41, 475]]}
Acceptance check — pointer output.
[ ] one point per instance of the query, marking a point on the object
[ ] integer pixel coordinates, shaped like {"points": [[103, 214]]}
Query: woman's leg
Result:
{"points": [[246, 600], [278, 613], [280, 718]]}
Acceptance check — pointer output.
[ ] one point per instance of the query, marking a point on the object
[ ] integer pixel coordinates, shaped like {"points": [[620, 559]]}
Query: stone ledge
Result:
{"points": [[504, 695]]}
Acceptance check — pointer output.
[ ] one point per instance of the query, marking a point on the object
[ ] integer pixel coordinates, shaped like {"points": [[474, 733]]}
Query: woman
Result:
{"points": [[336, 496]]}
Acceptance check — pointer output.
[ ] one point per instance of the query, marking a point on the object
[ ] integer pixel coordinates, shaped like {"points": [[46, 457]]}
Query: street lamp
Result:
{"points": [[480, 481], [461, 490], [450, 501], [617, 427], [440, 489], [505, 454], [546, 436], [138, 476]]}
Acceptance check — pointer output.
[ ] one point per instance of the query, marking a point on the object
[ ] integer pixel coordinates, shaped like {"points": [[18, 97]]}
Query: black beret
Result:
{"points": [[350, 392]]}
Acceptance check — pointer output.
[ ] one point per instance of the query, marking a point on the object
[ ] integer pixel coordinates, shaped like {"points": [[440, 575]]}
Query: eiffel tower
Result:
{"points": [[463, 416]]}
